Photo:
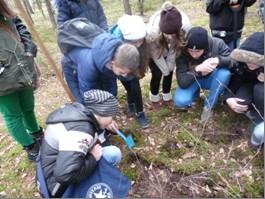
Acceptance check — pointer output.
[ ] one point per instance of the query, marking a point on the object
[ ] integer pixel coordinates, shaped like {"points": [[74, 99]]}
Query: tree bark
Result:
{"points": [[38, 2], [51, 13], [27, 10], [127, 7], [141, 7]]}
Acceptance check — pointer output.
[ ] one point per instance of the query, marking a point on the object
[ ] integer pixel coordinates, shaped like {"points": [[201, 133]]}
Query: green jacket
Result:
{"points": [[17, 70]]}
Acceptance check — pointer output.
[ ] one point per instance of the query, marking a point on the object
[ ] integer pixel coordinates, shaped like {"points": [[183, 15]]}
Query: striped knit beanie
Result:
{"points": [[101, 103]]}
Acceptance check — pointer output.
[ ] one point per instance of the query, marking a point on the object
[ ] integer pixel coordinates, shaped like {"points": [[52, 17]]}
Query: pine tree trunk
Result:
{"points": [[51, 13], [38, 2], [127, 7], [141, 7], [29, 7], [27, 10]]}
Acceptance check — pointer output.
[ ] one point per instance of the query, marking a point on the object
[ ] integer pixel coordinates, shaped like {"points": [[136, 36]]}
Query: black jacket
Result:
{"points": [[65, 153], [185, 63], [223, 17], [241, 75], [25, 36]]}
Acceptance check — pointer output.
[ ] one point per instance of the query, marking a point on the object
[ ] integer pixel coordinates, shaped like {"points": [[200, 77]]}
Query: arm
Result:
{"points": [[214, 6], [74, 162], [224, 55], [64, 14], [102, 17], [25, 36], [185, 76]]}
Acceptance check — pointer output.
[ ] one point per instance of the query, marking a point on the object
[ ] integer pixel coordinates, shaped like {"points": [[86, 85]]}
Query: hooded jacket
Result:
{"points": [[250, 51], [92, 69], [65, 152], [166, 62], [90, 9], [185, 63]]}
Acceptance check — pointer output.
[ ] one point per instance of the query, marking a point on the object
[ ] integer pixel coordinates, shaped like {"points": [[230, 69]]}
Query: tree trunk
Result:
{"points": [[141, 7], [27, 10], [38, 2], [127, 7], [51, 13], [29, 7]]}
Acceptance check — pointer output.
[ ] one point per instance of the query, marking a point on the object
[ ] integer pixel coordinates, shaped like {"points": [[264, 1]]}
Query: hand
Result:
{"points": [[37, 84], [233, 103], [205, 68], [113, 127], [96, 152], [261, 77], [214, 61]]}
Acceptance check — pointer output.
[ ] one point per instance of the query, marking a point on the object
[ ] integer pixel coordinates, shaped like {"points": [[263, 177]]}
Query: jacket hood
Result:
{"points": [[252, 50], [103, 49]]}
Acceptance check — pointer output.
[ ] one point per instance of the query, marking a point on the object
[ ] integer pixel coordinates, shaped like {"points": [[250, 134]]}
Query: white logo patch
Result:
{"points": [[99, 190]]}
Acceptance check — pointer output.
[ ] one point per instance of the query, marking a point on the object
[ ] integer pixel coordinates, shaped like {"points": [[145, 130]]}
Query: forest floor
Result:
{"points": [[176, 156]]}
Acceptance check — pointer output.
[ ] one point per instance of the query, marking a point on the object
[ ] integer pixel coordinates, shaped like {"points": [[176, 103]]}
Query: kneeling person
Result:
{"points": [[70, 151]]}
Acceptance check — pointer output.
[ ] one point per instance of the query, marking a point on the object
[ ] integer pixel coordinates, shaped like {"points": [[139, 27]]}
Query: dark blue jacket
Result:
{"points": [[91, 9], [91, 64]]}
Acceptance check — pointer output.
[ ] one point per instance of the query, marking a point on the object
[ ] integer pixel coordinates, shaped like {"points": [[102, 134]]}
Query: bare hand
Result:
{"points": [[214, 61], [205, 68], [113, 127], [96, 152], [233, 103], [261, 77], [37, 83]]}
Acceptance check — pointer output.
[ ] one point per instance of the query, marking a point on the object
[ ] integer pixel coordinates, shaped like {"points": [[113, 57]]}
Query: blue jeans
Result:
{"points": [[184, 97], [257, 137], [70, 74], [112, 154]]}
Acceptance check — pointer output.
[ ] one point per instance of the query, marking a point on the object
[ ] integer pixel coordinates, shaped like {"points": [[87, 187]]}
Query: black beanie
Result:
{"points": [[197, 38], [170, 21], [254, 43]]}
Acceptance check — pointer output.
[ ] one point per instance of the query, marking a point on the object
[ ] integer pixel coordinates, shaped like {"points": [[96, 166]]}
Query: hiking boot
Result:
{"points": [[207, 113], [130, 111], [33, 151], [142, 120]]}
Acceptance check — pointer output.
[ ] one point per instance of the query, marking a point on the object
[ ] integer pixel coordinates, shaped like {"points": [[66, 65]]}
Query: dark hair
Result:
{"points": [[5, 10], [144, 59]]}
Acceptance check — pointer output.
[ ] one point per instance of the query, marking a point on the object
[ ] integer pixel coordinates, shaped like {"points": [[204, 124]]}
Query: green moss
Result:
{"points": [[131, 173], [190, 167]]}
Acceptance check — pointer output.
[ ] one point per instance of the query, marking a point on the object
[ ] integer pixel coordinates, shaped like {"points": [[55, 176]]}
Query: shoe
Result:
{"points": [[142, 120], [130, 111], [206, 114], [33, 151]]}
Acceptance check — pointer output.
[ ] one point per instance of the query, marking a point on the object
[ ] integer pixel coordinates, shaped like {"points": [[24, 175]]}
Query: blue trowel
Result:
{"points": [[127, 139]]}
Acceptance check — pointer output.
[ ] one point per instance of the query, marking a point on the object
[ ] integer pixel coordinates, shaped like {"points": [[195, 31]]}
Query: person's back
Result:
{"points": [[90, 9]]}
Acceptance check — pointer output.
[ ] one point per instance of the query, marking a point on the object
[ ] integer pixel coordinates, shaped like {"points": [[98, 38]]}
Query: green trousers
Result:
{"points": [[18, 112]]}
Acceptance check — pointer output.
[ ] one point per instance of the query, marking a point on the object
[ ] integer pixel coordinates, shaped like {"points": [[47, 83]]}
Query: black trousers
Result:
{"points": [[253, 94], [134, 93], [156, 79]]}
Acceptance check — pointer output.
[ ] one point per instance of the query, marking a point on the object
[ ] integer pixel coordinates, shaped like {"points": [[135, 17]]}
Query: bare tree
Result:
{"points": [[28, 5], [39, 4], [127, 7], [141, 7], [51, 13], [28, 11]]}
